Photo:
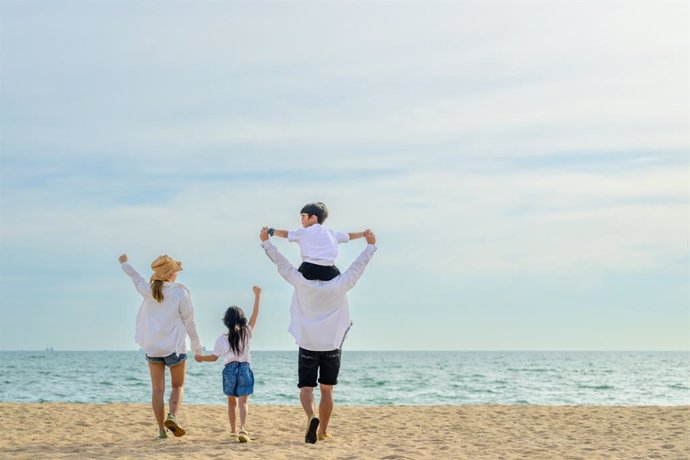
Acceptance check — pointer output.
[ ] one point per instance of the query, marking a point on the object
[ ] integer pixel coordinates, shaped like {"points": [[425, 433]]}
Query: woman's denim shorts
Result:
{"points": [[238, 379], [171, 360]]}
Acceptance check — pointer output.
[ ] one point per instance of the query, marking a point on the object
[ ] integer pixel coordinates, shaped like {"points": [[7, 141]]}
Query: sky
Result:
{"points": [[524, 165]]}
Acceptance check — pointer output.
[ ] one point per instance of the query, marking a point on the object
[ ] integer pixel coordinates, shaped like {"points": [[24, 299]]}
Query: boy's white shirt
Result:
{"points": [[318, 244], [222, 349], [319, 312], [162, 327]]}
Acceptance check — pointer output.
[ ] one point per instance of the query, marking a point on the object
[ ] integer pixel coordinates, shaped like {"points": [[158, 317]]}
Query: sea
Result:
{"points": [[369, 378]]}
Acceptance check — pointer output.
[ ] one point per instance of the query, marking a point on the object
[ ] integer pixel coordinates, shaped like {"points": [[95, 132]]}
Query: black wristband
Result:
{"points": [[271, 231]]}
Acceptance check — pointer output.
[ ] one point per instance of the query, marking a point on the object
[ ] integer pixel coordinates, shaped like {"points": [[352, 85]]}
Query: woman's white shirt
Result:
{"points": [[162, 327]]}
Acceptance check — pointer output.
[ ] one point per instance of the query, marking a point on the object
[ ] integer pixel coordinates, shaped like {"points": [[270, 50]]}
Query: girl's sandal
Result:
{"points": [[233, 437]]}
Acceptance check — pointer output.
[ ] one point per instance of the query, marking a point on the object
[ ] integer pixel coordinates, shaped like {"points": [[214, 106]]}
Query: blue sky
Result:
{"points": [[524, 165]]}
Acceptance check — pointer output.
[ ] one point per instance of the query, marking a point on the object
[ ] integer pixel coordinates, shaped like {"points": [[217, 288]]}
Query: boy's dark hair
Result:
{"points": [[317, 209]]}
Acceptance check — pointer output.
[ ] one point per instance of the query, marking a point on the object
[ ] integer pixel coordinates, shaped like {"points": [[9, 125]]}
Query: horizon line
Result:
{"points": [[53, 350]]}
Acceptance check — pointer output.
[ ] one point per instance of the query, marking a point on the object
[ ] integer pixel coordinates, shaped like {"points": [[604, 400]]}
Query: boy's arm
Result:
{"points": [[201, 358], [355, 235], [276, 232], [255, 311]]}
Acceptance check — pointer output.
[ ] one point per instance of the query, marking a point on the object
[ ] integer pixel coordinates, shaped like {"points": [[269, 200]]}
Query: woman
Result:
{"points": [[165, 318]]}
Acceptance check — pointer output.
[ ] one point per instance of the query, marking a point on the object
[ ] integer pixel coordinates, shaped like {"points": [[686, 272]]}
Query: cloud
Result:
{"points": [[484, 142]]}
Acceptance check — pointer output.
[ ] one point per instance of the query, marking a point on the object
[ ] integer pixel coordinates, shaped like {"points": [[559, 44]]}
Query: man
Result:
{"points": [[319, 320]]}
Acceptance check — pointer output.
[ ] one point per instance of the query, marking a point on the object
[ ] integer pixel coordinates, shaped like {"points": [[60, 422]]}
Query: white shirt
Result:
{"points": [[319, 313], [222, 349], [162, 327], [318, 245]]}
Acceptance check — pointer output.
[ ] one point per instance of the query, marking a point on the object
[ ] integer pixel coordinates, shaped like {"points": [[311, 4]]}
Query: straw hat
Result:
{"points": [[163, 267]]}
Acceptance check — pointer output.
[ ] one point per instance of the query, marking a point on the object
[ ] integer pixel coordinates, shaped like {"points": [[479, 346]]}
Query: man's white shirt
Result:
{"points": [[319, 312]]}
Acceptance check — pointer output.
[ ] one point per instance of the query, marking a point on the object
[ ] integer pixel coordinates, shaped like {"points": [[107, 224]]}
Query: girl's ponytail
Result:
{"points": [[236, 323]]}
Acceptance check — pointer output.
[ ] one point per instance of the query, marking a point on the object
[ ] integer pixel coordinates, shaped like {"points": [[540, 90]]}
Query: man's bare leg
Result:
{"points": [[306, 397], [325, 407]]}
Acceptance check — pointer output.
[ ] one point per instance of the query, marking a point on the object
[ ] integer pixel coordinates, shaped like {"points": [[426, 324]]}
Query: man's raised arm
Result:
{"points": [[285, 268], [354, 271]]}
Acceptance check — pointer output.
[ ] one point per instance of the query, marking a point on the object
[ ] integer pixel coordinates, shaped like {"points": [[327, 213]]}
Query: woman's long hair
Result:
{"points": [[236, 323], [157, 290]]}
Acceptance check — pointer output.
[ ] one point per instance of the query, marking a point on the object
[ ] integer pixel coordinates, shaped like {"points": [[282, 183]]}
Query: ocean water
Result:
{"points": [[369, 378]]}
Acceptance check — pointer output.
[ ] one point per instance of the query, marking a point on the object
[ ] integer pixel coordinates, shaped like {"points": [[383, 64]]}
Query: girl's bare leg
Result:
{"points": [[232, 416], [244, 410]]}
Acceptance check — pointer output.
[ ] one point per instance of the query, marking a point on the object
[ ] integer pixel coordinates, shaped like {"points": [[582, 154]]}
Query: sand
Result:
{"points": [[56, 430]]}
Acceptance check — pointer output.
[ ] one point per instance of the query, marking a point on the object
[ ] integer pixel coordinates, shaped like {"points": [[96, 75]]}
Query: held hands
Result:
{"points": [[370, 237], [123, 258], [257, 290], [263, 234], [198, 359]]}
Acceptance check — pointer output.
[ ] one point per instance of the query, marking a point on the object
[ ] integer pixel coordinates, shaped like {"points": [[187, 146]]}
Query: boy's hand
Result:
{"points": [[263, 235], [257, 290], [198, 359], [369, 235], [123, 258]]}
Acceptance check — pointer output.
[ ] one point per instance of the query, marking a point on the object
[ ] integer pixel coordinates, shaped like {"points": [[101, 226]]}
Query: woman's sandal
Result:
{"points": [[243, 436], [171, 424]]}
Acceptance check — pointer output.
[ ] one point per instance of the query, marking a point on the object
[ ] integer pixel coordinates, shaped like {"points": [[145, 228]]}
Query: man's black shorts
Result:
{"points": [[325, 364]]}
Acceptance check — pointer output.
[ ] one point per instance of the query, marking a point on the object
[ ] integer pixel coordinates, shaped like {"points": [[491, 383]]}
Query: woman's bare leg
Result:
{"points": [[157, 371], [177, 374]]}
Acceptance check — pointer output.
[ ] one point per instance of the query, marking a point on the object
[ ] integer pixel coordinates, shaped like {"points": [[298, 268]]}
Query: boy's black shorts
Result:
{"points": [[318, 272], [325, 364]]}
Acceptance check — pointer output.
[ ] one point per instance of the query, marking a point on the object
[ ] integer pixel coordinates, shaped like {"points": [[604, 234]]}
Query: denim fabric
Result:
{"points": [[238, 379], [171, 360]]}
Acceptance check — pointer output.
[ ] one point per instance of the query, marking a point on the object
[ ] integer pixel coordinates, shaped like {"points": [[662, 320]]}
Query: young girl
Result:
{"points": [[238, 378], [165, 318]]}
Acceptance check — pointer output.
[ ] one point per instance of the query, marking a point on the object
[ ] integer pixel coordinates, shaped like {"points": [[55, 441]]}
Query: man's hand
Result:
{"points": [[123, 258], [257, 290], [370, 237], [263, 235]]}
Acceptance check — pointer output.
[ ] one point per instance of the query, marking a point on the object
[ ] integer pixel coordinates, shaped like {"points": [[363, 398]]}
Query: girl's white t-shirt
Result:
{"points": [[222, 349]]}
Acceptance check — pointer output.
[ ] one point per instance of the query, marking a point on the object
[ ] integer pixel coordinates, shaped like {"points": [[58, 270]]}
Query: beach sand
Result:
{"points": [[55, 430]]}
